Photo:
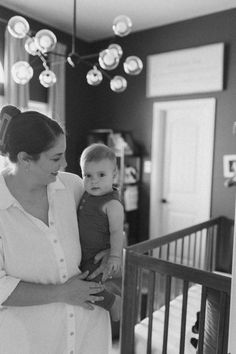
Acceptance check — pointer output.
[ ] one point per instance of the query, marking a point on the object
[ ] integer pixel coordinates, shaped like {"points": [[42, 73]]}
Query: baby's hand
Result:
{"points": [[113, 265]]}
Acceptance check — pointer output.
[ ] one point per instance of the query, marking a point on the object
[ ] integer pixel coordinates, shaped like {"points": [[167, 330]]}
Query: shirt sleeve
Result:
{"points": [[75, 184], [7, 283], [78, 190]]}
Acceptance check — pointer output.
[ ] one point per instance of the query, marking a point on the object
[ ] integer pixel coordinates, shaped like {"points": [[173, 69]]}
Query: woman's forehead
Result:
{"points": [[59, 146]]}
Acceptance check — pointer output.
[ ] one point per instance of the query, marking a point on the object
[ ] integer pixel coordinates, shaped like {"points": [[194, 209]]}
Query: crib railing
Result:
{"points": [[162, 268]]}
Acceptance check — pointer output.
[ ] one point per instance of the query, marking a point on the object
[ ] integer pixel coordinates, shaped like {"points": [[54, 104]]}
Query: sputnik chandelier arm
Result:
{"points": [[44, 41]]}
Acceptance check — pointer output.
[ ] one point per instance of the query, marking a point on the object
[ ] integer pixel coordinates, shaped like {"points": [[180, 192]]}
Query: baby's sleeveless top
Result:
{"points": [[93, 224]]}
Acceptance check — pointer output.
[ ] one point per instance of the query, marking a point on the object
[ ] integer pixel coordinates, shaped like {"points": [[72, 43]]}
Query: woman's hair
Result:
{"points": [[31, 132], [97, 152]]}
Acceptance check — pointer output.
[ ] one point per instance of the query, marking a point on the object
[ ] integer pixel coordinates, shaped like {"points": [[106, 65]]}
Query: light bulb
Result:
{"points": [[45, 40], [133, 65], [47, 78], [122, 25], [118, 84], [94, 77], [18, 27], [116, 50], [107, 60], [22, 72], [30, 46]]}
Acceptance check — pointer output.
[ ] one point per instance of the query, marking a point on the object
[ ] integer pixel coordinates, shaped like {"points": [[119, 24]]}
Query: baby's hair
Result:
{"points": [[97, 152]]}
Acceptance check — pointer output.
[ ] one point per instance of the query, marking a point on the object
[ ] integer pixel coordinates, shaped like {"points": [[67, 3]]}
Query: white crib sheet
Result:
{"points": [[141, 329]]}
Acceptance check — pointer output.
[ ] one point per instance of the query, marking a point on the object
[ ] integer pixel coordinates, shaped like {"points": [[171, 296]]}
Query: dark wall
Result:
{"points": [[131, 110]]}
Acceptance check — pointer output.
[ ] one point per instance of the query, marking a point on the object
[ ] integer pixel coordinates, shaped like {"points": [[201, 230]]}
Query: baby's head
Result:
{"points": [[98, 166]]}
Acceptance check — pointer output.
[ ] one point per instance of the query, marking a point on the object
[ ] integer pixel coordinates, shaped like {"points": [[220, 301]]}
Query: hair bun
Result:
{"points": [[12, 111], [8, 113]]}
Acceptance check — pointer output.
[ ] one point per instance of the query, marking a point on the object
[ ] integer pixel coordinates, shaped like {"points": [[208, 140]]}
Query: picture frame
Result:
{"points": [[186, 71], [229, 165]]}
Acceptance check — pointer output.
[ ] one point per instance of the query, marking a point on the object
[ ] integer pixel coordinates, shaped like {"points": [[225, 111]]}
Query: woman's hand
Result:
{"points": [[79, 292], [102, 269]]}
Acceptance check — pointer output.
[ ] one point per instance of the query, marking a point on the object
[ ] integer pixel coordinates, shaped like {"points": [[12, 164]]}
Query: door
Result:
{"points": [[182, 156]]}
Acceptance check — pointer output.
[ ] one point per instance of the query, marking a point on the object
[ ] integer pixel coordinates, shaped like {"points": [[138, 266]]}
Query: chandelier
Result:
{"points": [[42, 43]]}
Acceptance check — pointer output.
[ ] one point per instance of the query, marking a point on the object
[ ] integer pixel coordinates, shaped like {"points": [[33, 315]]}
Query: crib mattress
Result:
{"points": [[141, 329]]}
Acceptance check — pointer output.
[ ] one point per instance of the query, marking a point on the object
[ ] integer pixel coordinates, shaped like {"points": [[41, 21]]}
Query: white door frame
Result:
{"points": [[159, 115]]}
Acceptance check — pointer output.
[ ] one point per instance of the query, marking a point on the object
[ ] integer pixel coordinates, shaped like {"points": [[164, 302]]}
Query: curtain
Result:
{"points": [[15, 94], [56, 98]]}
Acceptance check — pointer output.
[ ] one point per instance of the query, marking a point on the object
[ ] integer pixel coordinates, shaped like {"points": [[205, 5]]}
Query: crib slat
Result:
{"points": [[151, 292], [200, 249], [129, 313], [168, 252], [175, 256], [220, 339], [202, 319], [140, 293], [194, 250], [182, 251], [213, 266], [183, 317], [189, 250], [167, 312]]}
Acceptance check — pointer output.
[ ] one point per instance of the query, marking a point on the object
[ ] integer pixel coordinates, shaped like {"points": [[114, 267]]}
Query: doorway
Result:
{"points": [[182, 159]]}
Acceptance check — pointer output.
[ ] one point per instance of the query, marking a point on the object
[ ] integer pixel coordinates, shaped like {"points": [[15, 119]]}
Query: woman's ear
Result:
{"points": [[24, 159]]}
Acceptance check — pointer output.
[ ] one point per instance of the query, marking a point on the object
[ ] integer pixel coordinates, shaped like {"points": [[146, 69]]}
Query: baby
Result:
{"points": [[101, 220]]}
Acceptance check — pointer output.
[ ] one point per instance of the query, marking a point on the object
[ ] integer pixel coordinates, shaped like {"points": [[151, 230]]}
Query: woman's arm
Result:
{"points": [[75, 291]]}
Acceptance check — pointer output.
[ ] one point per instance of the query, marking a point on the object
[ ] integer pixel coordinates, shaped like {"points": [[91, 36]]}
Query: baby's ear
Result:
{"points": [[115, 172]]}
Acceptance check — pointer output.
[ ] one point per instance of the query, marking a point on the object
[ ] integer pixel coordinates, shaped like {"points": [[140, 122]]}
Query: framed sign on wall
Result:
{"points": [[229, 165], [186, 71]]}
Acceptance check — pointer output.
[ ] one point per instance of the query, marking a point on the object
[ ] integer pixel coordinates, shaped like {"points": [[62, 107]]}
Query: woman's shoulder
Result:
{"points": [[69, 177], [72, 182]]}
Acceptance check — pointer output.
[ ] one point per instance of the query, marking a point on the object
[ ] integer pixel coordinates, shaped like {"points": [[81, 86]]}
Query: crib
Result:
{"points": [[169, 279]]}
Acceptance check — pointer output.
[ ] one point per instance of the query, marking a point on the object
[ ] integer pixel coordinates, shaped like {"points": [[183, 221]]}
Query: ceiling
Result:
{"points": [[95, 17]]}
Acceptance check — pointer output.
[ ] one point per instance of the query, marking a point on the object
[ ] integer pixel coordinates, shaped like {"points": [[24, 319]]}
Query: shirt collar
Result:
{"points": [[7, 198], [57, 185]]}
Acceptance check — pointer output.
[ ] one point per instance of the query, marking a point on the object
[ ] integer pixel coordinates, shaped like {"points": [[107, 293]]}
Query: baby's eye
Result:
{"points": [[87, 175], [102, 174]]}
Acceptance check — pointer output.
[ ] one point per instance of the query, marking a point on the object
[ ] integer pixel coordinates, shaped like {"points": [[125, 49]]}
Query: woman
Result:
{"points": [[45, 299]]}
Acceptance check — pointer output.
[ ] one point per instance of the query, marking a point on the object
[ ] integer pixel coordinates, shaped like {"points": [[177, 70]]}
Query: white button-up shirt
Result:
{"points": [[31, 251]]}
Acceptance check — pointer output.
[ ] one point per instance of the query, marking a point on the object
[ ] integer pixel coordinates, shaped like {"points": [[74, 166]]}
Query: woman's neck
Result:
{"points": [[33, 198], [20, 184]]}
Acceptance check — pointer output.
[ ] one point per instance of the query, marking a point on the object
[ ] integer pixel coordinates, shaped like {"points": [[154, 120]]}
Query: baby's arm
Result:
{"points": [[115, 214]]}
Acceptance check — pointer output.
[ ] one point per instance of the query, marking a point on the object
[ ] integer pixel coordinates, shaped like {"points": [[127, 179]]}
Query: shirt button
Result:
{"points": [[71, 315], [72, 352], [62, 260], [51, 223], [72, 333], [64, 276], [55, 241]]}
